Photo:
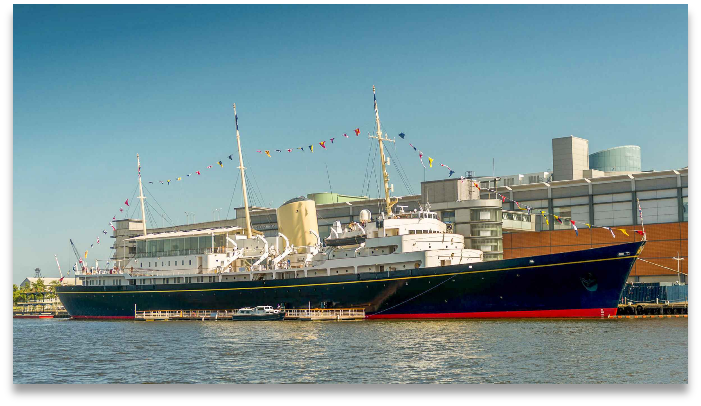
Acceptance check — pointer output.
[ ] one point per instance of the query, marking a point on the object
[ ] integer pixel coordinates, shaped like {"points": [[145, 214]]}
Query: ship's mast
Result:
{"points": [[388, 201], [243, 178], [141, 194]]}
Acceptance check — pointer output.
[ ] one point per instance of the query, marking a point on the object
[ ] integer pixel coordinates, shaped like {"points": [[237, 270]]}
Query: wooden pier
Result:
{"points": [[325, 314], [653, 309], [164, 315], [212, 315]]}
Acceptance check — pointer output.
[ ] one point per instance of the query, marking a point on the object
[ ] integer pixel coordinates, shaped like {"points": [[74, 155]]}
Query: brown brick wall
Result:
{"points": [[664, 242]]}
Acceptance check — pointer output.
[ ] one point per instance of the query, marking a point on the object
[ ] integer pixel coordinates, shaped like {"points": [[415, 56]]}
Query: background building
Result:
{"points": [[619, 159], [573, 191]]}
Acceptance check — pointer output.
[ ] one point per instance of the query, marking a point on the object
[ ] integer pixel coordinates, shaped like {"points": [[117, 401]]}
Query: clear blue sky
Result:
{"points": [[94, 85]]}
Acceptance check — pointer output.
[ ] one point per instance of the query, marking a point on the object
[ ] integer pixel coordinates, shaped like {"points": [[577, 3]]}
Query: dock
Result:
{"points": [[658, 308], [214, 315], [325, 314]]}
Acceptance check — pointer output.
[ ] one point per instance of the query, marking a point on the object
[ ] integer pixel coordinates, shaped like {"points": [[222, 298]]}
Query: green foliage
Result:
{"points": [[40, 288]]}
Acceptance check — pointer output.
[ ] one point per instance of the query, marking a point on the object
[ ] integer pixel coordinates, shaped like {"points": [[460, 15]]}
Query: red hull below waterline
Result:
{"points": [[543, 314]]}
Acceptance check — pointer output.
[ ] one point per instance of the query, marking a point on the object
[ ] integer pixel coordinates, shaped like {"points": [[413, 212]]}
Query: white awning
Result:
{"points": [[189, 233]]}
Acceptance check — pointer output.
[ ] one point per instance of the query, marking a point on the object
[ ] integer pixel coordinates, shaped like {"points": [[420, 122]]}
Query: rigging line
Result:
{"points": [[372, 168], [256, 189], [420, 294], [328, 176], [164, 217], [367, 168], [402, 176], [674, 270], [159, 205], [132, 201], [150, 216], [401, 167], [233, 192]]}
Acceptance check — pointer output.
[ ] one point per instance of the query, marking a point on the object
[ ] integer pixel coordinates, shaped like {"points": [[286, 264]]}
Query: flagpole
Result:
{"points": [[385, 176], [141, 194], [243, 178], [642, 223]]}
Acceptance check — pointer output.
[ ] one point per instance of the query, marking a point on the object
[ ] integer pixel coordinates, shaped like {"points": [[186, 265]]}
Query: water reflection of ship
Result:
{"points": [[398, 265]]}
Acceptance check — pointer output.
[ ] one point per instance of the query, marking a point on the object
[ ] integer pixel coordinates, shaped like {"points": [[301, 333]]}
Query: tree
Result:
{"points": [[39, 287], [16, 294], [52, 289]]}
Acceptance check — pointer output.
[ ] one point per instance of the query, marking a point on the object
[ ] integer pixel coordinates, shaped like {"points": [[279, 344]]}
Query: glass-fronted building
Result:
{"points": [[618, 159]]}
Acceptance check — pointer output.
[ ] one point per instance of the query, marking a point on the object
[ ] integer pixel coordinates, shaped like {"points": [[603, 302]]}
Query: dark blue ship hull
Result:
{"points": [[585, 283]]}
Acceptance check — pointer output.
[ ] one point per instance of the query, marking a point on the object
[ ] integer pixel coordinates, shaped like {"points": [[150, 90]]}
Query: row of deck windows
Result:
{"points": [[163, 263], [169, 246]]}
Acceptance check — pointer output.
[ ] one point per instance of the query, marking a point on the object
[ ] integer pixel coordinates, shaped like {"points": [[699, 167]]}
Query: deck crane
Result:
{"points": [[75, 251], [59, 268]]}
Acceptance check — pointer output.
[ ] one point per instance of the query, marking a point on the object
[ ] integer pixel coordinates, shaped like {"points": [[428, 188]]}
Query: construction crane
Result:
{"points": [[59, 268], [75, 251]]}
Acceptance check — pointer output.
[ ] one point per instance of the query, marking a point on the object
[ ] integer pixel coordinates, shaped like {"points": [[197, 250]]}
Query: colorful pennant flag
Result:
{"points": [[267, 152], [612, 234], [126, 202], [86, 254], [230, 157], [639, 232], [322, 143], [545, 217], [104, 232], [640, 210], [412, 146], [357, 132], [558, 219], [121, 209], [220, 163], [211, 165], [624, 232], [311, 148], [259, 151], [430, 162], [588, 225], [179, 178], [198, 172], [98, 240], [401, 135], [289, 149], [575, 227], [345, 135]]}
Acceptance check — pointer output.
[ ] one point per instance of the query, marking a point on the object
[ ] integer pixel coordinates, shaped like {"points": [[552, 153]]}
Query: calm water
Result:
{"points": [[456, 351]]}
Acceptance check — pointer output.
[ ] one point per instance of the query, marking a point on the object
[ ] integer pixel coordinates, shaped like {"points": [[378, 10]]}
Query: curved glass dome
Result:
{"points": [[625, 158]]}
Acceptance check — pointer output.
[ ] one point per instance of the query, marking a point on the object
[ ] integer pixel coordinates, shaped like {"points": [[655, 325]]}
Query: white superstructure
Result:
{"points": [[393, 241]]}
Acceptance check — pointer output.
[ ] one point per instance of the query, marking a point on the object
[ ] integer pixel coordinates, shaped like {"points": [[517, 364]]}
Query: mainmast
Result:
{"points": [[243, 178], [141, 194], [388, 201]]}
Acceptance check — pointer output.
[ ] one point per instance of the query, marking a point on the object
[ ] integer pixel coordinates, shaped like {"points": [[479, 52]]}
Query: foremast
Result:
{"points": [[389, 202], [141, 194], [249, 234]]}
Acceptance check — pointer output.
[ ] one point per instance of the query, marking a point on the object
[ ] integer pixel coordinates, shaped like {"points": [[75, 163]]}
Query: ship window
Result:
{"points": [[190, 262], [141, 265], [183, 262], [168, 263], [149, 264]]}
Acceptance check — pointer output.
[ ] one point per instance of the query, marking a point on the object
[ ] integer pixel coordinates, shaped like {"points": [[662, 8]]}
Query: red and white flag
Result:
{"points": [[126, 202], [112, 225]]}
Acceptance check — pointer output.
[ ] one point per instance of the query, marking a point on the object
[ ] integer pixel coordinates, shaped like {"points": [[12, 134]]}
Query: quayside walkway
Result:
{"points": [[290, 314]]}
